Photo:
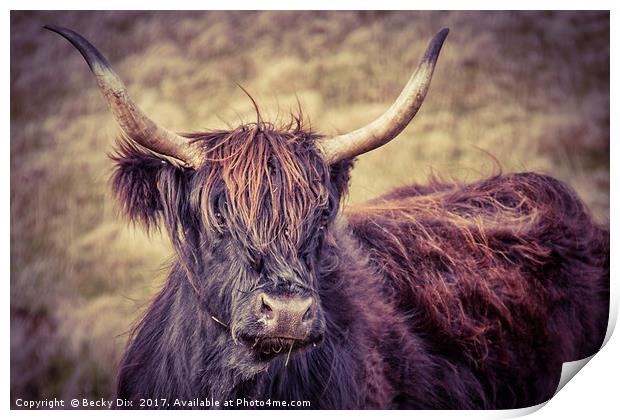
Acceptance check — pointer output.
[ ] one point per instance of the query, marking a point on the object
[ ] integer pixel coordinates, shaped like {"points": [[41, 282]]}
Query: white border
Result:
{"points": [[592, 394]]}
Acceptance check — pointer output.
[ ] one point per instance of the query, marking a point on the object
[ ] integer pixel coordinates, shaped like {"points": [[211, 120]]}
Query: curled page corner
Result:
{"points": [[569, 370]]}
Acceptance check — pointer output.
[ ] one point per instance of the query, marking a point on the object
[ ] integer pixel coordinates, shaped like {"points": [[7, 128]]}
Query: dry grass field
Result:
{"points": [[527, 91]]}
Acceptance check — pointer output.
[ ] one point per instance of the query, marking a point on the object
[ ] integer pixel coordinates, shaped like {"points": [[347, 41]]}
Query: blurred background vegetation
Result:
{"points": [[530, 89]]}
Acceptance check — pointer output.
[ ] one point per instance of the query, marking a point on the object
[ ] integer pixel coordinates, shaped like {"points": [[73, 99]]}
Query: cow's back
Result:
{"points": [[508, 275]]}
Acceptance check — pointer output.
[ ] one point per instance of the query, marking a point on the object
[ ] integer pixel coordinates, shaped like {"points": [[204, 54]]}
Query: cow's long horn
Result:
{"points": [[395, 119], [134, 123]]}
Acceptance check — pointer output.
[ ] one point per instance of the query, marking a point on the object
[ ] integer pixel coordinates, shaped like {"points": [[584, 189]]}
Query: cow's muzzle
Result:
{"points": [[287, 323]]}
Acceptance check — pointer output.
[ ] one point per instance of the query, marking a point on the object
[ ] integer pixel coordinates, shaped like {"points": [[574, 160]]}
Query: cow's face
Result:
{"points": [[253, 227], [266, 201]]}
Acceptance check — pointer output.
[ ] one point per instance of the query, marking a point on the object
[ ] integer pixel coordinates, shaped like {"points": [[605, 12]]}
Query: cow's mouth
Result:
{"points": [[268, 348]]}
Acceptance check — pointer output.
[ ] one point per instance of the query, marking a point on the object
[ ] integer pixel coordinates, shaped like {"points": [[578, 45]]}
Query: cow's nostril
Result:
{"points": [[308, 314], [266, 309]]}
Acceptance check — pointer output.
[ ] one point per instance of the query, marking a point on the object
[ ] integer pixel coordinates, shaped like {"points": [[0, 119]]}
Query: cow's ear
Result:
{"points": [[340, 174], [135, 182]]}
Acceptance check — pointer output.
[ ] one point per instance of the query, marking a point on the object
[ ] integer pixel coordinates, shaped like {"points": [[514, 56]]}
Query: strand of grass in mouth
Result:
{"points": [[218, 321], [288, 356]]}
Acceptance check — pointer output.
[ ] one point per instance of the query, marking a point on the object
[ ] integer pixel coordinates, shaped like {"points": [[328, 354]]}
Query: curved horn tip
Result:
{"points": [[435, 45], [134, 123], [442, 34], [396, 118], [93, 57]]}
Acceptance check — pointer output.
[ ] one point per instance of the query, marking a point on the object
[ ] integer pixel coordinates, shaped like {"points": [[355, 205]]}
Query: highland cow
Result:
{"points": [[437, 296]]}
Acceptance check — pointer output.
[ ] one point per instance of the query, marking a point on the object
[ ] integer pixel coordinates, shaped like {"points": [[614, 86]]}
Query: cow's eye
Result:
{"points": [[258, 263], [325, 216], [219, 205]]}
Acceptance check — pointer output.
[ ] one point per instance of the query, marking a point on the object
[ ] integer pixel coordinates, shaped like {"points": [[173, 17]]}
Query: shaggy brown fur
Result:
{"points": [[497, 273]]}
